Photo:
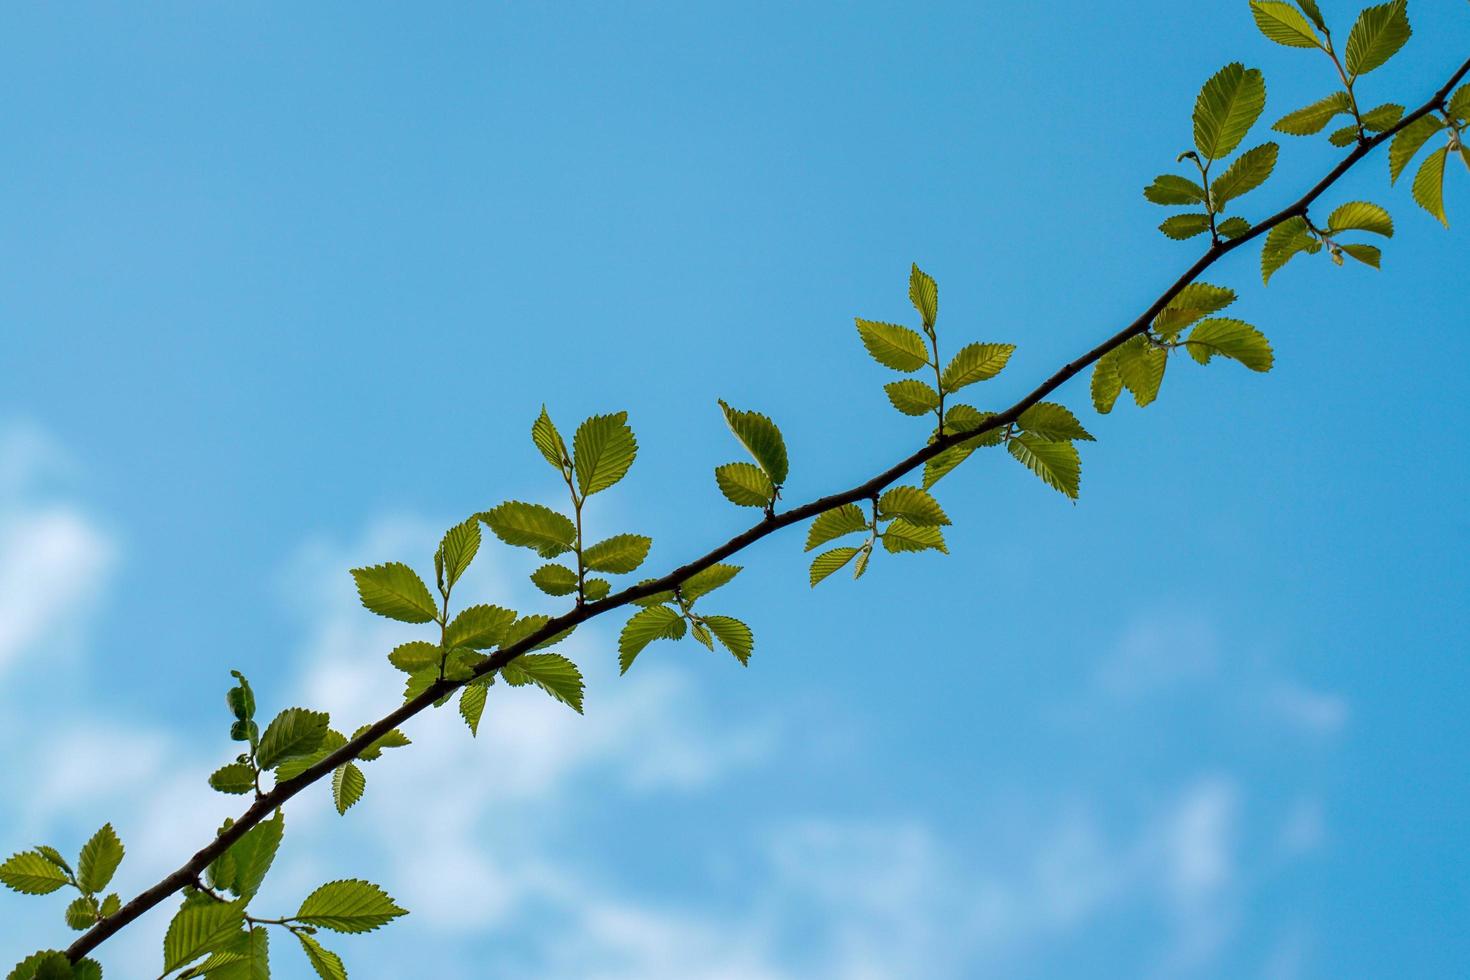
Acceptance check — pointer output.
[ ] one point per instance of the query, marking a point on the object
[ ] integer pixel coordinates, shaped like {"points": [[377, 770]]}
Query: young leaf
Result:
{"points": [[1429, 185], [99, 860], [1193, 303], [596, 588], [1057, 463], [395, 590], [902, 535], [912, 397], [549, 441], [834, 524], [1309, 7], [1283, 242], [1408, 141], [81, 914], [924, 294], [30, 873], [1233, 228], [555, 579], [240, 698], [1230, 338], [533, 526], [1141, 365], [1054, 422], [1383, 118], [246, 957], [479, 627], [294, 732], [975, 362], [1227, 107], [348, 784], [327, 964], [745, 484], [760, 437], [1248, 172], [553, 673], [472, 704], [830, 561], [394, 739], [603, 451], [54, 856], [1171, 189], [1182, 227], [940, 466], [1107, 383], [734, 635], [1346, 136], [915, 506], [645, 626], [458, 549], [620, 554], [235, 778], [865, 553], [1459, 104], [415, 656], [1281, 23], [200, 929], [1361, 216], [1315, 117], [707, 580], [1366, 254], [893, 346], [348, 906], [966, 418], [1377, 36]]}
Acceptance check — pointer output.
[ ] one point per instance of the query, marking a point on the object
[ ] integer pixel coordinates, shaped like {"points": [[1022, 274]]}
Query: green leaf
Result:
{"points": [[253, 854], [830, 561], [1309, 7], [527, 625], [479, 627], [555, 579], [735, 635], [348, 784], [645, 626], [1408, 141], [1230, 338], [1459, 104], [707, 580], [199, 929], [966, 418], [603, 451], [1361, 216], [327, 964], [834, 524], [240, 698], [549, 442], [1233, 228], [31, 874], [901, 536], [460, 664], [619, 554], [745, 484], [1170, 189], [596, 588], [1346, 136], [48, 964], [472, 704], [1285, 241], [1281, 23], [415, 656], [395, 590], [1049, 420], [294, 732], [235, 778], [865, 553], [1181, 227], [458, 549], [553, 673], [1315, 117], [1384, 117], [915, 506], [1141, 365], [940, 466], [924, 294], [420, 681], [221, 871], [1367, 254], [1193, 303], [1429, 185], [1057, 463], [912, 397], [81, 913], [1107, 383], [760, 437], [1248, 172], [893, 346], [975, 362], [1227, 107], [348, 906], [246, 957], [394, 739], [1377, 36], [533, 526], [702, 634], [54, 856]]}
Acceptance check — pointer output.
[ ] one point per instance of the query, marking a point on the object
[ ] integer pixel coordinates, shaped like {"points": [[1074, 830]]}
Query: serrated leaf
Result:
{"points": [[1248, 172], [1346, 136], [393, 739], [1281, 22], [1459, 104], [1408, 141], [619, 554], [1383, 118], [893, 346], [240, 698], [553, 673], [81, 913], [1429, 185], [1367, 254], [745, 484], [472, 704], [602, 452], [199, 929], [54, 856], [349, 906], [706, 580], [834, 524], [549, 441], [1283, 242], [1049, 420], [246, 957], [734, 635], [760, 437], [830, 561], [1377, 36], [1233, 228], [254, 853], [1192, 304], [1140, 366], [904, 536], [527, 625], [48, 964], [1227, 107], [1171, 189], [865, 554], [327, 964], [396, 591], [1057, 463], [942, 465], [348, 784], [702, 635], [1230, 338], [235, 778], [420, 681], [924, 294], [555, 579], [1107, 383], [975, 362], [1361, 216], [912, 504], [415, 656], [31, 874], [645, 626], [1182, 227], [1309, 7], [460, 545], [966, 418], [294, 732], [220, 874], [533, 526], [596, 588], [99, 860], [479, 627], [912, 397], [1315, 117]]}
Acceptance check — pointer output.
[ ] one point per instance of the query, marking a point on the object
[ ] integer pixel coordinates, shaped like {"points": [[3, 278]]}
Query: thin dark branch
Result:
{"points": [[263, 807]]}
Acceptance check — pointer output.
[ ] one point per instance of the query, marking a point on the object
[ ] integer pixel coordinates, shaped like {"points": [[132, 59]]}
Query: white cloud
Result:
{"points": [[1314, 712]]}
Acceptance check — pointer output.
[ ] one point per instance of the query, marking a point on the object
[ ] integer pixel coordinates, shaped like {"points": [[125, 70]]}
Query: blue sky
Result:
{"points": [[282, 289]]}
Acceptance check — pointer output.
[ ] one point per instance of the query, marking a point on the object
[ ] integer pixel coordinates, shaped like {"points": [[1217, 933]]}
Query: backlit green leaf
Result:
{"points": [[555, 579], [348, 906], [1459, 104], [395, 590], [942, 465], [902, 536], [458, 549], [532, 526], [1346, 136], [81, 914], [1248, 172], [1049, 420], [1366, 254], [645, 626], [293, 732], [1361, 216], [1171, 189], [830, 561], [603, 450], [235, 778], [707, 580], [1233, 228], [834, 524], [620, 554], [1377, 36], [1107, 383], [327, 964], [553, 673], [915, 506], [1182, 227], [472, 704], [912, 397], [246, 957], [734, 635], [1309, 7], [760, 437], [1227, 107], [1230, 338], [549, 441], [199, 929], [924, 294], [1057, 463], [1193, 303], [1429, 185], [1384, 117], [1283, 24], [893, 346], [479, 627], [394, 739], [1408, 141], [860, 565], [966, 418], [1284, 241], [99, 860], [596, 588], [254, 853], [31, 874], [975, 362], [348, 784], [1141, 365], [745, 484], [1315, 117]]}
